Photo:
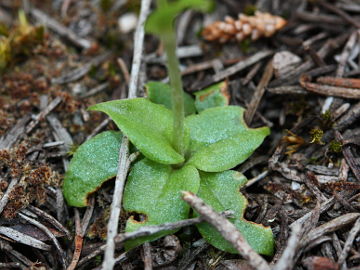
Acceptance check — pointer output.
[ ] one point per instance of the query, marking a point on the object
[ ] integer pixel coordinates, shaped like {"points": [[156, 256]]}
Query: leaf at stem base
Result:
{"points": [[153, 190], [220, 139], [160, 93], [216, 95], [148, 126], [222, 192], [93, 163]]}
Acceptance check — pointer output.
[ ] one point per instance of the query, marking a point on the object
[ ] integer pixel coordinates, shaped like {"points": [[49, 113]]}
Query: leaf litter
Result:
{"points": [[286, 195]]}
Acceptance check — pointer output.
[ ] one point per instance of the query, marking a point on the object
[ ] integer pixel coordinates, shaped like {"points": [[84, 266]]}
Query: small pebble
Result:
{"points": [[127, 22]]}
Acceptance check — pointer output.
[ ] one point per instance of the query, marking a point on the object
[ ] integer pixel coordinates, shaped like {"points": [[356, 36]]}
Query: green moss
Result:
{"points": [[316, 136], [335, 146]]}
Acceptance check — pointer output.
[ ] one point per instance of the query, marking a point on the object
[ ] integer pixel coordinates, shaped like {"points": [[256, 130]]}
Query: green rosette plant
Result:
{"points": [[193, 153]]}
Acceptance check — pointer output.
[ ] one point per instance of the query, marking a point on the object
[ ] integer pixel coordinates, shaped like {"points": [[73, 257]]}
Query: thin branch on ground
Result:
{"points": [[227, 230], [5, 198], [147, 256], [109, 261], [150, 230], [286, 260], [349, 241], [42, 227], [80, 230]]}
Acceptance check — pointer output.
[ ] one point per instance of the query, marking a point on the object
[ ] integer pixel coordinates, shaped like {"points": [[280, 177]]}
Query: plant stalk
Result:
{"points": [[177, 96]]}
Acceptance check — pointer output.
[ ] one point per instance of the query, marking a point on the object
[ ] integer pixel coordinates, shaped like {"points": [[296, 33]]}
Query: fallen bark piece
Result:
{"points": [[330, 226], [320, 263], [341, 82], [348, 243], [255, 27], [329, 90], [22, 238]]}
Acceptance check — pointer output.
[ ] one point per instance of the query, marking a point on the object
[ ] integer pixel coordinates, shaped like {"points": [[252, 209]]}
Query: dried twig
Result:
{"points": [[350, 117], [181, 52], [49, 219], [124, 69], [60, 29], [5, 197], [330, 226], [48, 233], [323, 207], [312, 185], [258, 93], [349, 46], [23, 238], [341, 68], [96, 90], [4, 246], [286, 261], [251, 74], [199, 67], [349, 241], [60, 204], [288, 89], [87, 216], [80, 229], [52, 105], [314, 55], [328, 90], [343, 171], [242, 65], [318, 18], [339, 12], [349, 156], [123, 167], [61, 134], [96, 130], [293, 75], [78, 242], [340, 82], [227, 230], [149, 230], [14, 133], [147, 256], [183, 24], [11, 265], [109, 262], [81, 71], [257, 178]]}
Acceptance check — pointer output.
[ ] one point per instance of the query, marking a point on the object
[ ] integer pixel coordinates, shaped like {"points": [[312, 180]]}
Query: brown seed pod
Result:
{"points": [[259, 25]]}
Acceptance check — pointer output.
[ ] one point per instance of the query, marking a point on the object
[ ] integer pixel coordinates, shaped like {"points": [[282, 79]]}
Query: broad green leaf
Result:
{"points": [[162, 19], [216, 95], [160, 93], [220, 139], [153, 189], [148, 126], [222, 192], [93, 163]]}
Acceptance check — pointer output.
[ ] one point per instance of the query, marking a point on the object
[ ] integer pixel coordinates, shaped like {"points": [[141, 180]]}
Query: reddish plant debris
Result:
{"points": [[33, 179], [320, 263]]}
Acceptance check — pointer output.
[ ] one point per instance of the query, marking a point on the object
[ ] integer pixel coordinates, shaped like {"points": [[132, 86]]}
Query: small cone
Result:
{"points": [[255, 27]]}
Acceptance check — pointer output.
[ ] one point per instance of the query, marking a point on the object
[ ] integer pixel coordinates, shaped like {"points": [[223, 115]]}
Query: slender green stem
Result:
{"points": [[177, 96]]}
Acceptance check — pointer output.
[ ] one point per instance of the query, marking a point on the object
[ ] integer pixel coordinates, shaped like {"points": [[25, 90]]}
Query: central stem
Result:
{"points": [[177, 96]]}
